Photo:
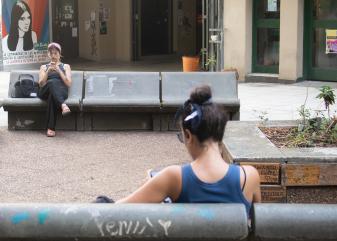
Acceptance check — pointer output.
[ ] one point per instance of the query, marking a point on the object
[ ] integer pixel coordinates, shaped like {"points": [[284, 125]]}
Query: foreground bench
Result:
{"points": [[30, 113], [176, 88], [176, 222]]}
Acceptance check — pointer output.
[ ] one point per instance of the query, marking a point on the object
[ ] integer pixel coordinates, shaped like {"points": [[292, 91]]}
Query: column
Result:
{"points": [[291, 40], [238, 35]]}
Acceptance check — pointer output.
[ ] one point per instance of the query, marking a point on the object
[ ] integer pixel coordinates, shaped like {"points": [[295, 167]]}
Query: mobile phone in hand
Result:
{"points": [[152, 173]]}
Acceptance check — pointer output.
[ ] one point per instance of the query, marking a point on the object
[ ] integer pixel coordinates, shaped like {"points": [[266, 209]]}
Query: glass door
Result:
{"points": [[320, 40], [266, 36]]}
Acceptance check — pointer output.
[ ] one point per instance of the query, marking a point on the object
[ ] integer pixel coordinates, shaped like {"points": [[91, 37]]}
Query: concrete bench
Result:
{"points": [[178, 222], [121, 100], [29, 113], [176, 88], [174, 222], [280, 222]]}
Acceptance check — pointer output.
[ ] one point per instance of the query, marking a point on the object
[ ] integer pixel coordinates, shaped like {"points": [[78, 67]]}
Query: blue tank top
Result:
{"points": [[54, 75], [226, 190]]}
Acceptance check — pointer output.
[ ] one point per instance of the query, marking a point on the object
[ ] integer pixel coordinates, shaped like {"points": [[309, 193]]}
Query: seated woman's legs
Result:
{"points": [[51, 113], [55, 93], [59, 92]]}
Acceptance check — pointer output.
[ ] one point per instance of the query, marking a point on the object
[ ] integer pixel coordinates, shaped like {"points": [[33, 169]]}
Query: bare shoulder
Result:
{"points": [[252, 173], [172, 171], [67, 66]]}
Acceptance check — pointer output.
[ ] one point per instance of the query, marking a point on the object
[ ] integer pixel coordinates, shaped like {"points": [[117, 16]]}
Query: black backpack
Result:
{"points": [[25, 87]]}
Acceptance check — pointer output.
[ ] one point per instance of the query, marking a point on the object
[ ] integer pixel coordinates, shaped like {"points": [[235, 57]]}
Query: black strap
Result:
{"points": [[244, 182]]}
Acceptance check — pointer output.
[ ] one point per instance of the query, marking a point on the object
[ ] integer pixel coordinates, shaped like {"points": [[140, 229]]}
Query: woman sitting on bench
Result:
{"points": [[54, 81], [208, 178]]}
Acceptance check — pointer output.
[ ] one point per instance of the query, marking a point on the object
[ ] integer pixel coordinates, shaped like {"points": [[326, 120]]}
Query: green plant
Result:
{"points": [[263, 116], [210, 62], [328, 96]]}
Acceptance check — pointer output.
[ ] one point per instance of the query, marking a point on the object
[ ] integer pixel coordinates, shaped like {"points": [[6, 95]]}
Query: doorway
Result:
{"points": [[65, 27], [320, 61], [266, 36], [152, 27]]}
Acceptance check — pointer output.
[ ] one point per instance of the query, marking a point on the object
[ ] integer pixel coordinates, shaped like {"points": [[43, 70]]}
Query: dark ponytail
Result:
{"points": [[201, 116]]}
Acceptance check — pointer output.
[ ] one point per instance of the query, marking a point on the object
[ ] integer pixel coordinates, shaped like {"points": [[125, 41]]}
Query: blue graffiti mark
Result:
{"points": [[21, 217], [42, 216], [206, 213]]}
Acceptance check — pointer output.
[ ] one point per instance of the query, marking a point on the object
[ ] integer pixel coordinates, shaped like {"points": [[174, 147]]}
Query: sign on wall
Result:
{"points": [[25, 31], [331, 41], [272, 6]]}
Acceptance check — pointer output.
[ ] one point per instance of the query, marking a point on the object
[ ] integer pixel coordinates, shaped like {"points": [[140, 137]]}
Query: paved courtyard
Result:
{"points": [[77, 166]]}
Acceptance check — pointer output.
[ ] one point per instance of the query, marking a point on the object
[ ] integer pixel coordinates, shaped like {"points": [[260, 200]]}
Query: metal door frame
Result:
{"points": [[213, 24]]}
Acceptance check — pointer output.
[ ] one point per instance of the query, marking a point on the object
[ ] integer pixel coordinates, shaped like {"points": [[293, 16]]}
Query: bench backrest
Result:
{"points": [[122, 85], [176, 86], [75, 90], [295, 221], [176, 222]]}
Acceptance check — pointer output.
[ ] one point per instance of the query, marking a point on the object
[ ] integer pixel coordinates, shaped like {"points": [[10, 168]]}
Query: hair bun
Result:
{"points": [[201, 94]]}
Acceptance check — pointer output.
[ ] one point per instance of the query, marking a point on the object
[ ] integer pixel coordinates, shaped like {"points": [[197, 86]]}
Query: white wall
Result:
{"points": [[291, 39], [238, 35], [116, 44]]}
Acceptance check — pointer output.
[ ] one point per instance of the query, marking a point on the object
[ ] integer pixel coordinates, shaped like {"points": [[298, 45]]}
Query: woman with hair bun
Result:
{"points": [[208, 178], [21, 37]]}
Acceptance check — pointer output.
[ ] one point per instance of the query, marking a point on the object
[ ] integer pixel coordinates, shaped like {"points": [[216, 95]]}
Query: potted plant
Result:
{"points": [[191, 63]]}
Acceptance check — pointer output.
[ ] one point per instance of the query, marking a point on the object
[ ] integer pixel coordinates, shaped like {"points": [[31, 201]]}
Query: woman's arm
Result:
{"points": [[43, 75], [66, 77], [167, 183]]}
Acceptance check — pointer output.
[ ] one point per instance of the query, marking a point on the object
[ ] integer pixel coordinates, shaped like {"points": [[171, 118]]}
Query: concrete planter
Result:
{"points": [[292, 175]]}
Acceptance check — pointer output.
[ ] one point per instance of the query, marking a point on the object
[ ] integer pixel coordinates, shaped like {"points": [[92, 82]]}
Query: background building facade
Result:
{"points": [[270, 40]]}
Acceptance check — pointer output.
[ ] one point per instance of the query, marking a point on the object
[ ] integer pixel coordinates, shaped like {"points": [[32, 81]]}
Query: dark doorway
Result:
{"points": [[266, 36], [155, 27], [65, 26]]}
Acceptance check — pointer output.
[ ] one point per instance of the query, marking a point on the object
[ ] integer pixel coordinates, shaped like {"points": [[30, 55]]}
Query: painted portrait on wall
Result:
{"points": [[25, 31]]}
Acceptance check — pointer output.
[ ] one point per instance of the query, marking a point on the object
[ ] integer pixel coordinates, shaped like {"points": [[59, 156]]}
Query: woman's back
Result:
{"points": [[226, 190], [208, 179]]}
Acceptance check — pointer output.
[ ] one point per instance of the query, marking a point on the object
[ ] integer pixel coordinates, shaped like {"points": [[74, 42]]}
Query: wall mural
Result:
{"points": [[25, 31]]}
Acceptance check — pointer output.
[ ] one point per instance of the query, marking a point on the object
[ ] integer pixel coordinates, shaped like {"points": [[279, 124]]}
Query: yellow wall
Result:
{"points": [[123, 30], [85, 7], [116, 44], [238, 35], [291, 39]]}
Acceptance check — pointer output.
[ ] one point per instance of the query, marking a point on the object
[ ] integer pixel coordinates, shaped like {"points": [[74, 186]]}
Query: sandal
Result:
{"points": [[65, 110], [51, 133]]}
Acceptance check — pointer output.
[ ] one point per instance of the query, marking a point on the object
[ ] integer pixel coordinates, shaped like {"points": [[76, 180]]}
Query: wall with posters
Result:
{"points": [[25, 31], [105, 30]]}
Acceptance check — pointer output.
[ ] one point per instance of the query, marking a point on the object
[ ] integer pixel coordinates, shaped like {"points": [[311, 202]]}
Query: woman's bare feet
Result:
{"points": [[65, 110], [51, 133]]}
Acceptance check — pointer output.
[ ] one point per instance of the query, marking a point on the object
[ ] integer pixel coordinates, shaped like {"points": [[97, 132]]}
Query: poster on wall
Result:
{"points": [[331, 41], [25, 31], [272, 6]]}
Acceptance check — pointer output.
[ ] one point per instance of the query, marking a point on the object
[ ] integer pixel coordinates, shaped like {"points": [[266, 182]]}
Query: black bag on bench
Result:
{"points": [[25, 87]]}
